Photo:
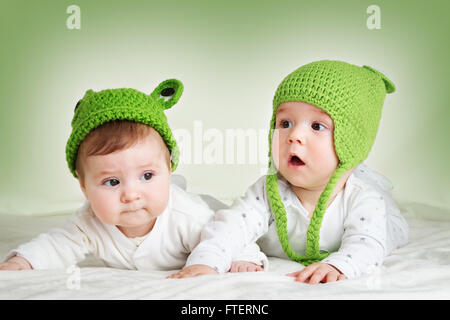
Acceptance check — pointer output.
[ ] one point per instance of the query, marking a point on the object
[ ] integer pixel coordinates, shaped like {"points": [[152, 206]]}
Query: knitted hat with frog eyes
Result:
{"points": [[97, 108], [353, 97]]}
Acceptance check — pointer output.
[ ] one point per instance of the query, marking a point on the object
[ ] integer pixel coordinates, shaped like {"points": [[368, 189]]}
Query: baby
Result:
{"points": [[122, 151], [318, 205]]}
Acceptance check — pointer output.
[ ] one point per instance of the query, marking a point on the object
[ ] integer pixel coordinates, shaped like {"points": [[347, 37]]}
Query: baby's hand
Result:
{"points": [[193, 271], [318, 272], [245, 266], [16, 263]]}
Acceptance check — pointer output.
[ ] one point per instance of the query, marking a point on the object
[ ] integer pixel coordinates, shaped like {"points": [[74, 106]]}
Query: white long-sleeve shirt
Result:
{"points": [[361, 226], [175, 234]]}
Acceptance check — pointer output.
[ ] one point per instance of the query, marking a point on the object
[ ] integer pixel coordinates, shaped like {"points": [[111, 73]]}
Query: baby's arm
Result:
{"points": [[397, 226], [245, 266], [230, 232], [193, 271], [16, 263], [251, 259], [318, 272], [363, 245], [56, 249]]}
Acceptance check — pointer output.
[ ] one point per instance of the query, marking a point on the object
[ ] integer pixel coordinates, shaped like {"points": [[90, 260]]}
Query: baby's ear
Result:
{"points": [[168, 92]]}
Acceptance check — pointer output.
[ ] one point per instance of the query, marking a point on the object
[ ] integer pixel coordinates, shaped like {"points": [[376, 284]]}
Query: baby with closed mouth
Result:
{"points": [[122, 152]]}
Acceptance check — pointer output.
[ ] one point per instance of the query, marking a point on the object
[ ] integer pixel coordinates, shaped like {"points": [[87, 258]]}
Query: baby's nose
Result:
{"points": [[130, 194], [296, 136], [297, 140]]}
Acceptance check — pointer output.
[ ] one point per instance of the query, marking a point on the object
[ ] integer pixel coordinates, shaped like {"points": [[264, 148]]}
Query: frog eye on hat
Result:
{"points": [[77, 105], [167, 93]]}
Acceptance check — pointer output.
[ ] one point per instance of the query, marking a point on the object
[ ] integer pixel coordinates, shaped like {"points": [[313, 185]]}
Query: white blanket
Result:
{"points": [[420, 270]]}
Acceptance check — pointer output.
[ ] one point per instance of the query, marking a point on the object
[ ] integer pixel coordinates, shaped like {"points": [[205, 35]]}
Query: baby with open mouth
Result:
{"points": [[295, 161], [318, 204]]}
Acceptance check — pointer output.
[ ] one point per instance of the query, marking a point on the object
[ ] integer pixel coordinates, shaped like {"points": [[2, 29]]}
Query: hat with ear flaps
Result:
{"points": [[353, 97], [97, 108]]}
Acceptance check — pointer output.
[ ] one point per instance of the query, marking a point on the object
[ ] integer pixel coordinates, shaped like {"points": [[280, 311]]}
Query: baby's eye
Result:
{"points": [[285, 124], [111, 182], [317, 126], [147, 176]]}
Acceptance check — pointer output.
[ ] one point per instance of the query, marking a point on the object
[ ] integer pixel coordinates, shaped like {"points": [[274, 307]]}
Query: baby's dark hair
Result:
{"points": [[111, 137]]}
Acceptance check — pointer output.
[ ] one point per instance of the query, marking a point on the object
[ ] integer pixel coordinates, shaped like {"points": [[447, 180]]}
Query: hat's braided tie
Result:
{"points": [[312, 251]]}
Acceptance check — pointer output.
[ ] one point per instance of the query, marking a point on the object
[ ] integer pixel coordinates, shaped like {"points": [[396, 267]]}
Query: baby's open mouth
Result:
{"points": [[295, 161]]}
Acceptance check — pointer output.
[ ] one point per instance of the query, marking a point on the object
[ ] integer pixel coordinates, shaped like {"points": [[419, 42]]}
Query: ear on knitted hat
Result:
{"points": [[167, 93], [88, 93], [390, 87]]}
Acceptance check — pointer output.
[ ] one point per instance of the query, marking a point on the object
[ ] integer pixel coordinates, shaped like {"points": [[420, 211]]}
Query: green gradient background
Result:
{"points": [[231, 56]]}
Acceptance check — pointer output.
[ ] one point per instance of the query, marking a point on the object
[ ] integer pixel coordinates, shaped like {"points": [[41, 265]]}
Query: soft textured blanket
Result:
{"points": [[420, 270]]}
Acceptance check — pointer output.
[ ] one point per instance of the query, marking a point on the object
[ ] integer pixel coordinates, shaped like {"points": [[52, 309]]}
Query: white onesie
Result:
{"points": [[360, 227], [175, 234]]}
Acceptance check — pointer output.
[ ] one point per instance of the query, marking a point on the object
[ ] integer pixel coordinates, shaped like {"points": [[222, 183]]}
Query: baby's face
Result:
{"points": [[129, 188], [302, 145]]}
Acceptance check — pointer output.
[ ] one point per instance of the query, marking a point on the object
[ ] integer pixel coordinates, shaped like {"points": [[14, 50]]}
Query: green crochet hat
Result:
{"points": [[97, 108], [353, 97]]}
